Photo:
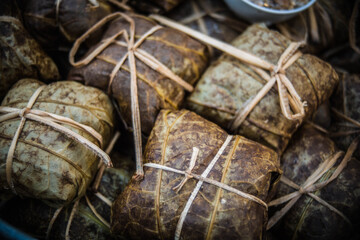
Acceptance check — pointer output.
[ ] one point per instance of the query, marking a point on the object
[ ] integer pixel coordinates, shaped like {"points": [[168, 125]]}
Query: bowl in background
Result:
{"points": [[255, 13]]}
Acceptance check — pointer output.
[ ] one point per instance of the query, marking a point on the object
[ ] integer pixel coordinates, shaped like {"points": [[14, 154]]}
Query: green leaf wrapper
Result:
{"points": [[44, 159], [228, 85]]}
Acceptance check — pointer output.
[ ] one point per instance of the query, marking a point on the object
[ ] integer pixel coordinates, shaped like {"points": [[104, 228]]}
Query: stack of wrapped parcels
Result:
{"points": [[168, 131]]}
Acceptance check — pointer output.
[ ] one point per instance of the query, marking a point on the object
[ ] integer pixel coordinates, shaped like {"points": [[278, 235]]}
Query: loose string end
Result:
{"points": [[139, 175]]}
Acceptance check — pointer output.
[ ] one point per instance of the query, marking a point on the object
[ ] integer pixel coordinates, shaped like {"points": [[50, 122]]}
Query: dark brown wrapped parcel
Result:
{"points": [[181, 54], [228, 85], [21, 56], [308, 219], [48, 164], [150, 209], [53, 21]]}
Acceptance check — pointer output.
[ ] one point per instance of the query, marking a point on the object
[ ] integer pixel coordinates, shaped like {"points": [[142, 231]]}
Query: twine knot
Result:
{"points": [[276, 70], [188, 173], [134, 52], [24, 111], [302, 190], [310, 185]]}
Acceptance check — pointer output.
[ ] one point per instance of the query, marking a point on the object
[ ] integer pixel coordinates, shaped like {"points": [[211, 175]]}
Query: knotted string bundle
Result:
{"points": [[202, 178], [310, 185], [133, 51], [53, 121], [292, 107]]}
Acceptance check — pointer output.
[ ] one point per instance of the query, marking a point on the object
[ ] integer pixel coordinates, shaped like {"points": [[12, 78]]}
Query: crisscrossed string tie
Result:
{"points": [[202, 178], [133, 51], [310, 186], [292, 106], [51, 120]]}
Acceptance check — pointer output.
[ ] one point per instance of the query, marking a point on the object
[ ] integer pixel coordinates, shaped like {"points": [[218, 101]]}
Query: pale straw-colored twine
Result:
{"points": [[133, 51], [292, 107], [310, 186], [202, 178]]}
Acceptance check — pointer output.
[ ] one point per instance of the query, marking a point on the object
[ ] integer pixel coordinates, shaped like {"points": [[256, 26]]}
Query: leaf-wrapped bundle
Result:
{"points": [[150, 209], [308, 218], [228, 85], [184, 56], [20, 55], [53, 21], [47, 163]]}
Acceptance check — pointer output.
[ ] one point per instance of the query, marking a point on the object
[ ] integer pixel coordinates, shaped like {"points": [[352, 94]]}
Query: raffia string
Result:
{"points": [[346, 118], [287, 93], [316, 23], [97, 181], [323, 23], [51, 223], [350, 120], [51, 120], [310, 186], [96, 213], [198, 16], [201, 23], [103, 198], [202, 178], [188, 171], [133, 51], [102, 166], [71, 217]]}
